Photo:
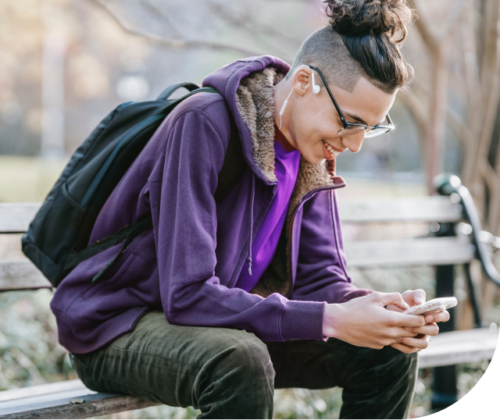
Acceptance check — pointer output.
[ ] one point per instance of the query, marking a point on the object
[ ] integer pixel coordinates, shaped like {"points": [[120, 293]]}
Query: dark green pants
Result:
{"points": [[229, 373]]}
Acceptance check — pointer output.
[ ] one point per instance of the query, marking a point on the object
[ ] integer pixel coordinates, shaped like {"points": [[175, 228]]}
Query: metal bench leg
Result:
{"points": [[444, 386], [473, 296]]}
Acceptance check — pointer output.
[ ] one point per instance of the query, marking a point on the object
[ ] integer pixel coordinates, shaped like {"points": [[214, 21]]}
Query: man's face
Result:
{"points": [[313, 119]]}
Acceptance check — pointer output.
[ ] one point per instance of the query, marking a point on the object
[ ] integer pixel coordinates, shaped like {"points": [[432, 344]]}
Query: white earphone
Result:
{"points": [[316, 87], [282, 111]]}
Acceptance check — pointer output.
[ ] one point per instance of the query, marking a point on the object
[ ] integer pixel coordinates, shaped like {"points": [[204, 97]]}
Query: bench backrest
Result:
{"points": [[406, 252], [20, 273]]}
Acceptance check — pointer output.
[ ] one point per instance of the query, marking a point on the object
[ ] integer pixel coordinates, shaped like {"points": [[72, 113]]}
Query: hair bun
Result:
{"points": [[370, 17]]}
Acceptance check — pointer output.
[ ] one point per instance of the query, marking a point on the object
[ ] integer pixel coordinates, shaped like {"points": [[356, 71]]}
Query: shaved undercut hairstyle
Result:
{"points": [[362, 39]]}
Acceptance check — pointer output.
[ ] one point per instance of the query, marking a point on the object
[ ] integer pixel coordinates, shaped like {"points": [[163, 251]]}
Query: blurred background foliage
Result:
{"points": [[66, 63]]}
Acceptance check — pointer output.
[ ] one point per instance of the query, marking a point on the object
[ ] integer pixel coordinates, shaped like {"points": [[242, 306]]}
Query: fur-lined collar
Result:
{"points": [[255, 101]]}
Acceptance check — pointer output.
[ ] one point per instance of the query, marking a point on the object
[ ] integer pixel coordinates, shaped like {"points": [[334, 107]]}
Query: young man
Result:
{"points": [[221, 303]]}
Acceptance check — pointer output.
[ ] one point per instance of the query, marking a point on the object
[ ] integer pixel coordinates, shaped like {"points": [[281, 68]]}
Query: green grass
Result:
{"points": [[27, 179]]}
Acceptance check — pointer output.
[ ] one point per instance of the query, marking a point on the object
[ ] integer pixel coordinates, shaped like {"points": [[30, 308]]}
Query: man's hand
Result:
{"points": [[364, 321], [422, 335]]}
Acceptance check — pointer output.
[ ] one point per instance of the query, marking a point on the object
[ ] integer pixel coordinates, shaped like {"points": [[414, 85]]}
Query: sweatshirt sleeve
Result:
{"points": [[321, 268], [185, 227]]}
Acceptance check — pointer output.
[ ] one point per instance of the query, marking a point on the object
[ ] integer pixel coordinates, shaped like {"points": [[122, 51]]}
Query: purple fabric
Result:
{"points": [[286, 166], [187, 265]]}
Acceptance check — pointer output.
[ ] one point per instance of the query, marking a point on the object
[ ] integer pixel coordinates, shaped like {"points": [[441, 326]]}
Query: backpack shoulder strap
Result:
{"points": [[233, 166], [231, 172], [234, 162]]}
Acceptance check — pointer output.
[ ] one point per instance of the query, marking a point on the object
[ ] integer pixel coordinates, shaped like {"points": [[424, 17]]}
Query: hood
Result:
{"points": [[248, 88], [250, 123]]}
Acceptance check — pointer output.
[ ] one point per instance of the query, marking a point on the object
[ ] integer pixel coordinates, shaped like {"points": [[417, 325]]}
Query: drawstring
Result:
{"points": [[249, 257]]}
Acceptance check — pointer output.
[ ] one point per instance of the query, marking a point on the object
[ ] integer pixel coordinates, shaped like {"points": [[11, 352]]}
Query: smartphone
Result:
{"points": [[432, 306]]}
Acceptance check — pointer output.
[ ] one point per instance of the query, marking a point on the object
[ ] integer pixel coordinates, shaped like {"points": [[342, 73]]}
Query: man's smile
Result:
{"points": [[331, 149]]}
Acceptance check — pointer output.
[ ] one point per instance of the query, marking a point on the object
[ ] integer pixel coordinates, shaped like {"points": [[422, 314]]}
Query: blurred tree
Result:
{"points": [[462, 55]]}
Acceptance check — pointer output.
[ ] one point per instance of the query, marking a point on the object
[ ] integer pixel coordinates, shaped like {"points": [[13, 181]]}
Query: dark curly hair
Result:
{"points": [[363, 38]]}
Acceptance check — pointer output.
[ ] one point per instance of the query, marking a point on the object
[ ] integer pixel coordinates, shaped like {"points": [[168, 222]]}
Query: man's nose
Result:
{"points": [[354, 141]]}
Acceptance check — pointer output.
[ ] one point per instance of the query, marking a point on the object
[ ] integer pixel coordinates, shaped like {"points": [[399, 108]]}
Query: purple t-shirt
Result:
{"points": [[264, 246]]}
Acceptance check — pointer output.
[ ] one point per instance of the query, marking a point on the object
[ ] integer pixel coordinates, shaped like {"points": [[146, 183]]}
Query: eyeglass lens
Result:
{"points": [[356, 129], [377, 132], [351, 130]]}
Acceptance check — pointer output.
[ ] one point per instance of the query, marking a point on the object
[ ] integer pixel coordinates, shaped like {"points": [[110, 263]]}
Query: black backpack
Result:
{"points": [[57, 238]]}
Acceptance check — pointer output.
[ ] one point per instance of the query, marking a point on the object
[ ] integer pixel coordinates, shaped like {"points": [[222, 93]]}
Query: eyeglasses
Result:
{"points": [[352, 128]]}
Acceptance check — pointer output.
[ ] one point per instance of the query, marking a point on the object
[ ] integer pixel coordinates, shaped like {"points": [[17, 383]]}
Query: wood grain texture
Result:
{"points": [[455, 347], [16, 217], [21, 274], [419, 209], [45, 389], [409, 252], [54, 401]]}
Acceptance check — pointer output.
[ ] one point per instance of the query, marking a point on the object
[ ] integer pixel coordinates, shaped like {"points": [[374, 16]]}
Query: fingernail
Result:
{"points": [[430, 318], [419, 300], [409, 329]]}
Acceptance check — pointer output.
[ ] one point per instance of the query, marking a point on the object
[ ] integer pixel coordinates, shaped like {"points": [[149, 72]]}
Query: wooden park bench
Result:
{"points": [[457, 239]]}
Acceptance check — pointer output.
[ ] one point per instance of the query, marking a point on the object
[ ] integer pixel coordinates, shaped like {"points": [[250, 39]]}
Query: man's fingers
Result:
{"points": [[421, 343], [414, 297], [441, 316], [404, 320], [391, 299], [393, 308], [430, 329], [402, 332], [404, 348]]}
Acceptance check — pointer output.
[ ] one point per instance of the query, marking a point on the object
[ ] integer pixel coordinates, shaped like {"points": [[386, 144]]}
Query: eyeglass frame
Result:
{"points": [[346, 124]]}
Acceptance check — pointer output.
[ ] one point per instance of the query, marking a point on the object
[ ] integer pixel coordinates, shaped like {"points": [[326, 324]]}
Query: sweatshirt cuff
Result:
{"points": [[302, 320], [354, 294]]}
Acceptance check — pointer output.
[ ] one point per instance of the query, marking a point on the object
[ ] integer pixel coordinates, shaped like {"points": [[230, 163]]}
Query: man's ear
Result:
{"points": [[302, 79]]}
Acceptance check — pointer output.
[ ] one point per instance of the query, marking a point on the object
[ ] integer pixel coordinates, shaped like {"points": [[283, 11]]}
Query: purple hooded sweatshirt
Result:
{"points": [[265, 243], [188, 264]]}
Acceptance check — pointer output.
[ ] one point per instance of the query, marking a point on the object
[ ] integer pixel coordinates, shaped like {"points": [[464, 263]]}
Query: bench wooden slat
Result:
{"points": [[45, 389], [408, 252], [423, 209], [16, 217], [54, 401], [456, 347], [21, 274]]}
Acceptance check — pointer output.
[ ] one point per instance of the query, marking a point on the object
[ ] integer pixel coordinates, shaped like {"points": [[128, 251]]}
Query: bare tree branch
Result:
{"points": [[490, 87], [173, 43], [455, 20], [490, 176], [470, 57], [434, 41], [158, 12], [416, 108], [459, 128], [253, 27], [430, 39]]}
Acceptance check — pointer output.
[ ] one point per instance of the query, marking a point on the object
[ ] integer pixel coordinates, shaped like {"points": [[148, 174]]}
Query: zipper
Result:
{"points": [[257, 229], [110, 159], [304, 198]]}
